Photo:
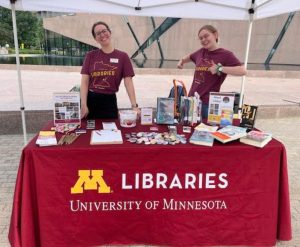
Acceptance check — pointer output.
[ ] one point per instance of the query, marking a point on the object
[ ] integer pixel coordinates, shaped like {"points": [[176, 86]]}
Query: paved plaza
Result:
{"points": [[268, 88], [275, 91]]}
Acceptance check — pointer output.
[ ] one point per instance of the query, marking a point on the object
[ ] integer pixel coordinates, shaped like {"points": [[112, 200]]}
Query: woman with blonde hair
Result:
{"points": [[212, 63]]}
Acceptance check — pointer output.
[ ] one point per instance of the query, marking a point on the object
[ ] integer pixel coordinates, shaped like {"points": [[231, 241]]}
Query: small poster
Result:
{"points": [[220, 108], [66, 108]]}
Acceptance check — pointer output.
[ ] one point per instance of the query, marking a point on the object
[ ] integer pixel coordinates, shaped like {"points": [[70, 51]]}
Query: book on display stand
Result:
{"points": [[248, 116], [165, 111]]}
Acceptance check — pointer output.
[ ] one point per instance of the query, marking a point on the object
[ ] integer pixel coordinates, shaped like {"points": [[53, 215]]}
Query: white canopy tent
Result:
{"points": [[248, 10]]}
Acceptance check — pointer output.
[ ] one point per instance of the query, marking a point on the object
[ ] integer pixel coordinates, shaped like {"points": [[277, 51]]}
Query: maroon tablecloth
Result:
{"points": [[183, 195]]}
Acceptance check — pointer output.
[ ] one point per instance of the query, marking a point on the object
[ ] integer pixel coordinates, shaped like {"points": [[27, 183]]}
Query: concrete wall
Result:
{"points": [[182, 38]]}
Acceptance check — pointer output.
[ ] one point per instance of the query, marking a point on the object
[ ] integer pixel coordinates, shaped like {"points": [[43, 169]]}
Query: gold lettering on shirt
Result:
{"points": [[202, 68], [103, 73]]}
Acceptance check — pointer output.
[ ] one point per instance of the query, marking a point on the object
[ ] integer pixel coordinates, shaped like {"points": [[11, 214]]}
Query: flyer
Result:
{"points": [[66, 108], [220, 108]]}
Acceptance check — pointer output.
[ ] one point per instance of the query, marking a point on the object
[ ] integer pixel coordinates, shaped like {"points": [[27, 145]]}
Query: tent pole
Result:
{"points": [[22, 108], [245, 62]]}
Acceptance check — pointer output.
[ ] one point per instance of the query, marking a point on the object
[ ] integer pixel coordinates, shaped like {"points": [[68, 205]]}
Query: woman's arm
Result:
{"points": [[234, 70], [184, 60], [83, 95], [130, 91]]}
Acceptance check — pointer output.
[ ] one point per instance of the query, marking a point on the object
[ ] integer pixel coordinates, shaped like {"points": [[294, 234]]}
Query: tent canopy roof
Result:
{"points": [[200, 9]]}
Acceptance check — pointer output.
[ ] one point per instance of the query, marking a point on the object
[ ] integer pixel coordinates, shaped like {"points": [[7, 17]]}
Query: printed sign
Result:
{"points": [[220, 108], [66, 108]]}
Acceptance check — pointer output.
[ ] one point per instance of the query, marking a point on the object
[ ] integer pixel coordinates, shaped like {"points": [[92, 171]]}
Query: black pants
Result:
{"points": [[102, 106]]}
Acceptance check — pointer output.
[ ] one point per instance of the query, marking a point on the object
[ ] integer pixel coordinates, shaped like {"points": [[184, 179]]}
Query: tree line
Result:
{"points": [[29, 25]]}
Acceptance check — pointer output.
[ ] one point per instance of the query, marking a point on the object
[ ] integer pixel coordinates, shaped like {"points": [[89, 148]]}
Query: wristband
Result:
{"points": [[135, 105], [219, 69]]}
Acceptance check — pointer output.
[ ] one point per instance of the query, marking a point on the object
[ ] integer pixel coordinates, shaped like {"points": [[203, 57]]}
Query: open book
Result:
{"points": [[229, 133], [205, 127]]}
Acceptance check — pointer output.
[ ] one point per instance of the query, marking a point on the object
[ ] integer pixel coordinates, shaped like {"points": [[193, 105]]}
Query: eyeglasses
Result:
{"points": [[104, 31]]}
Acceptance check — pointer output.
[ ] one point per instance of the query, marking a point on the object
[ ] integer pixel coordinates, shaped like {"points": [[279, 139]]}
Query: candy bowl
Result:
{"points": [[128, 118]]}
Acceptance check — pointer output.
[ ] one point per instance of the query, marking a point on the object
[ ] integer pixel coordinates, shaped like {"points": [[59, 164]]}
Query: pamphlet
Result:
{"points": [[46, 138], [146, 116], [109, 126], [90, 124], [66, 108]]}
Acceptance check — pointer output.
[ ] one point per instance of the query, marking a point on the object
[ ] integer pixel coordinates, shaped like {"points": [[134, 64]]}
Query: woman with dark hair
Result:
{"points": [[213, 64], [102, 72]]}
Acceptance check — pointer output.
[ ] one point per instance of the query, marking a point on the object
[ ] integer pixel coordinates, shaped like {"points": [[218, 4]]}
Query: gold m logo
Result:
{"points": [[90, 180]]}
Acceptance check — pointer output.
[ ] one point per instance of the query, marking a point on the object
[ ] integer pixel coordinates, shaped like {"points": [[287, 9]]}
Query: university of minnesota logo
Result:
{"points": [[90, 180]]}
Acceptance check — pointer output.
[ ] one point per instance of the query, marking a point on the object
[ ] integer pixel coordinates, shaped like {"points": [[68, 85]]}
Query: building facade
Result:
{"points": [[181, 38]]}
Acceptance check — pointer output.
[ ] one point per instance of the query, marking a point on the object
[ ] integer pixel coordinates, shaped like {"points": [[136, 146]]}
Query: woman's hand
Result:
{"points": [[84, 111], [213, 67], [137, 110], [180, 64]]}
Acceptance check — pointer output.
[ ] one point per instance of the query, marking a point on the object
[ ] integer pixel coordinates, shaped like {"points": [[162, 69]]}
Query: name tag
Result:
{"points": [[114, 60]]}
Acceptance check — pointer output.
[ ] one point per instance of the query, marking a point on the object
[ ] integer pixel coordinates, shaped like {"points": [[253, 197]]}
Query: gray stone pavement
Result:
{"points": [[284, 129]]}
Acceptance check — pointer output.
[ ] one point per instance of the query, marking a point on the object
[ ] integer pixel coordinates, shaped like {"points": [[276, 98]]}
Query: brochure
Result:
{"points": [[46, 138], [109, 126], [146, 116], [66, 108]]}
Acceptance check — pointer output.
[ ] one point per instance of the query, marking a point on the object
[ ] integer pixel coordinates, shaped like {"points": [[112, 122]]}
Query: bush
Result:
{"points": [[26, 51]]}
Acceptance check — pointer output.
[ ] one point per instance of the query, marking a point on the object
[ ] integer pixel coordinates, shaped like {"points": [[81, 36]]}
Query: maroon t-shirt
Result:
{"points": [[106, 71], [204, 82]]}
